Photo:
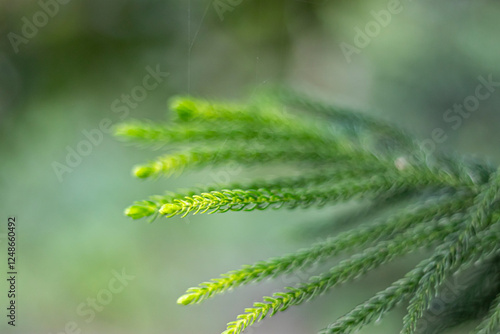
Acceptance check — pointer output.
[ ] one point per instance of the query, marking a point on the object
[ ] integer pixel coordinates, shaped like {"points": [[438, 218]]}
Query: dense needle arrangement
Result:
{"points": [[341, 156]]}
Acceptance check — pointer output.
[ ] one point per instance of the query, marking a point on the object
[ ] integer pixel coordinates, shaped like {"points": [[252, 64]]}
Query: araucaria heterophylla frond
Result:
{"points": [[339, 156]]}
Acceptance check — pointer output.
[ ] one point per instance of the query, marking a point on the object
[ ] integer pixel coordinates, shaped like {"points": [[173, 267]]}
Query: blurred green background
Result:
{"points": [[64, 64]]}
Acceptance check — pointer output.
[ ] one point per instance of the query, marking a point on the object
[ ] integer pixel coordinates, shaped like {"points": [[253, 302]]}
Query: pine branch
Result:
{"points": [[157, 135], [269, 117], [261, 199], [268, 196], [149, 207], [191, 110], [212, 156], [350, 240]]}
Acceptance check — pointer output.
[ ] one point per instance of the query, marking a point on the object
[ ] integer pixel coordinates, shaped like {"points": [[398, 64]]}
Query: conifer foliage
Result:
{"points": [[340, 156]]}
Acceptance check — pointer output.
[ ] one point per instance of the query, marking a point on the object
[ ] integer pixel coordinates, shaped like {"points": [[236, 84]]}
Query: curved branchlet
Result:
{"points": [[261, 199], [341, 173], [276, 196], [212, 132], [383, 252], [344, 242], [172, 163]]}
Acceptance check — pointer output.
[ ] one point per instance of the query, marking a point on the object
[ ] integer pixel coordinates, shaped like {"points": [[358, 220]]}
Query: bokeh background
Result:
{"points": [[59, 81]]}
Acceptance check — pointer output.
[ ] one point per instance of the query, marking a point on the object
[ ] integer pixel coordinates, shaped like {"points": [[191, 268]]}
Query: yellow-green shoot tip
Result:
{"points": [[130, 129], [139, 211], [186, 109], [143, 172], [186, 299], [169, 209]]}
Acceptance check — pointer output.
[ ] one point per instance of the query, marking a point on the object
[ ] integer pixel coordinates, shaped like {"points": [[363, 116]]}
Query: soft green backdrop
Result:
{"points": [[60, 83]]}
